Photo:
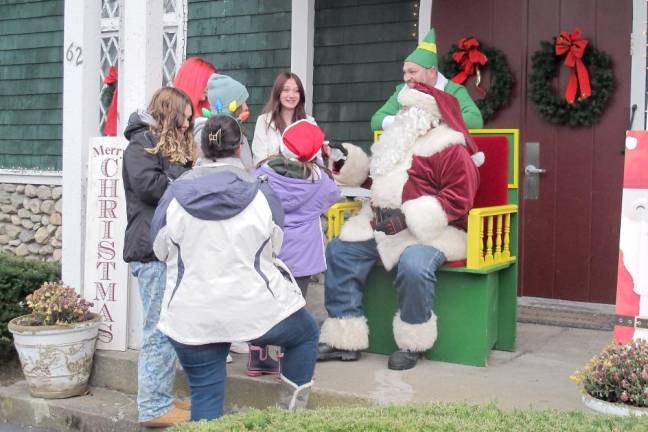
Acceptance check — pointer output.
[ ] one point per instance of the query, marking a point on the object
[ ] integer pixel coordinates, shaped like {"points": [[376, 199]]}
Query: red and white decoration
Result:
{"points": [[632, 278]]}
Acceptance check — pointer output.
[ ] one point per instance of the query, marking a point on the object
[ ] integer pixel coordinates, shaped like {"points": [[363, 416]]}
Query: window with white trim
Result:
{"points": [[173, 40]]}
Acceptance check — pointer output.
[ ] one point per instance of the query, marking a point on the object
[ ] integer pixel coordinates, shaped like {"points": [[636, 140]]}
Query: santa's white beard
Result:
{"points": [[396, 143]]}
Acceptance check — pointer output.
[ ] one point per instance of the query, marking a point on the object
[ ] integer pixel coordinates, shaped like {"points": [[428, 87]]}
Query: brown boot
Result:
{"points": [[182, 404], [173, 417]]}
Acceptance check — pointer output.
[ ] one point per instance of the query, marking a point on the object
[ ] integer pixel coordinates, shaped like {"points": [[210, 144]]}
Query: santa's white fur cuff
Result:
{"points": [[351, 334], [415, 337], [355, 170], [425, 218]]}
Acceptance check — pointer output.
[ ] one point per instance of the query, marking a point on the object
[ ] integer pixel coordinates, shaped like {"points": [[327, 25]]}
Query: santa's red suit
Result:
{"points": [[422, 166], [632, 277]]}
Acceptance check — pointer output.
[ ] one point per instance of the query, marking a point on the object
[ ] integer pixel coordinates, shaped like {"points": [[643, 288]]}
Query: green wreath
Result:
{"points": [[555, 109], [499, 93]]}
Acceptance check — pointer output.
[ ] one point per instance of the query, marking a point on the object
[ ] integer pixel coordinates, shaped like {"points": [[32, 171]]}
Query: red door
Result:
{"points": [[569, 234]]}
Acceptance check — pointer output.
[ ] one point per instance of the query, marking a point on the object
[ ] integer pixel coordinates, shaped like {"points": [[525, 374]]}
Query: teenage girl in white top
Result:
{"points": [[286, 106]]}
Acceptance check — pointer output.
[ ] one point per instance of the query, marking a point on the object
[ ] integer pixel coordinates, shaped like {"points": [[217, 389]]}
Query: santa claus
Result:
{"points": [[632, 278], [424, 181]]}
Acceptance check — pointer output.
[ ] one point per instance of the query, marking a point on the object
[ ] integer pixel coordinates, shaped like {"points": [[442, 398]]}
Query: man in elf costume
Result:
{"points": [[632, 277], [424, 181], [421, 67]]}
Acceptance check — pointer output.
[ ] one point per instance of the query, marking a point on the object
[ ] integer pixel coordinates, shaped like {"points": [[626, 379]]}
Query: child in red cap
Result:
{"points": [[306, 191]]}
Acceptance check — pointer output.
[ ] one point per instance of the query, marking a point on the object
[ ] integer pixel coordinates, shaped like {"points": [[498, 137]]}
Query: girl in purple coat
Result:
{"points": [[306, 191]]}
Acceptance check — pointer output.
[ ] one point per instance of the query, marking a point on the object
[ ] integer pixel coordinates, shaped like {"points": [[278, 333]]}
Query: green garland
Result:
{"points": [[499, 93], [555, 109]]}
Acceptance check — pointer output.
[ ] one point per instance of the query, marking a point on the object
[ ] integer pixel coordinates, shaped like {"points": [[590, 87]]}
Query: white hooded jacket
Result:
{"points": [[219, 230]]}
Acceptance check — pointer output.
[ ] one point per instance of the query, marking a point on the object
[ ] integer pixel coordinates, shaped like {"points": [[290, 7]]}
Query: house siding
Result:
{"points": [[31, 84], [360, 46], [246, 39]]}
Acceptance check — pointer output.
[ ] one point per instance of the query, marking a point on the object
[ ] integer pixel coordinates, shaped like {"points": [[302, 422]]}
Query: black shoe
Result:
{"points": [[327, 352], [403, 360]]}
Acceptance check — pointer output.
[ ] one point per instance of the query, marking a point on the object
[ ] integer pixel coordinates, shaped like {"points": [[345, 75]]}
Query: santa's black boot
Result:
{"points": [[403, 360], [327, 352]]}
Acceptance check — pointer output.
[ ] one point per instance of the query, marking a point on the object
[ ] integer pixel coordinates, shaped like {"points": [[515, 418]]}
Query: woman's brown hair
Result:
{"points": [[274, 104], [167, 107]]}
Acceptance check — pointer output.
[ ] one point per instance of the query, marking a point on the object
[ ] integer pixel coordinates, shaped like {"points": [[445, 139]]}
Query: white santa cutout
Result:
{"points": [[632, 279]]}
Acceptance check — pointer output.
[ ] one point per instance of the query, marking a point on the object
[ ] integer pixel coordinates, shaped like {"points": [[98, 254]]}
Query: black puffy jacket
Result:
{"points": [[146, 177]]}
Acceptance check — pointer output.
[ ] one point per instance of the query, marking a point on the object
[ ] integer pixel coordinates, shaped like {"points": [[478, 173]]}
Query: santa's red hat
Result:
{"points": [[302, 140], [450, 113], [635, 172]]}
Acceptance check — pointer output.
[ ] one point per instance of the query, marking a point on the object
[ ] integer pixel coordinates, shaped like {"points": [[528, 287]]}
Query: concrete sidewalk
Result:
{"points": [[535, 375]]}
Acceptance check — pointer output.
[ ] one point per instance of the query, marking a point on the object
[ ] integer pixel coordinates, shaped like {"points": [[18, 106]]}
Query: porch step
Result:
{"points": [[111, 404], [564, 313], [102, 410]]}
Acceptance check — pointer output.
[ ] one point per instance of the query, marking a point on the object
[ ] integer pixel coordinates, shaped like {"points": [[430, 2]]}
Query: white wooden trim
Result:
{"points": [[425, 18], [140, 56], [638, 65], [34, 177], [302, 44], [81, 56]]}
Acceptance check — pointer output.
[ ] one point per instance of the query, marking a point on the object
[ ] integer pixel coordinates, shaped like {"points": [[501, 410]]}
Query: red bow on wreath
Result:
{"points": [[469, 58], [572, 45]]}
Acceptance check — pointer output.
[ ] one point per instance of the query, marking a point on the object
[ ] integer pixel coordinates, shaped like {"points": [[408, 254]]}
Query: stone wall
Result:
{"points": [[30, 221]]}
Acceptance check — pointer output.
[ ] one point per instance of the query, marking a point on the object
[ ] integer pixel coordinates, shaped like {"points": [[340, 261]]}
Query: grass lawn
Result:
{"points": [[411, 418]]}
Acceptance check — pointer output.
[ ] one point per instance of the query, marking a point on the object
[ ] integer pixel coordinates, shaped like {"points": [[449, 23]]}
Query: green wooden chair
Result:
{"points": [[476, 301]]}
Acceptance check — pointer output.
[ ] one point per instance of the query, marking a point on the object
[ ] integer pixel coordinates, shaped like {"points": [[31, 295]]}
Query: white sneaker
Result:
{"points": [[239, 348], [229, 359]]}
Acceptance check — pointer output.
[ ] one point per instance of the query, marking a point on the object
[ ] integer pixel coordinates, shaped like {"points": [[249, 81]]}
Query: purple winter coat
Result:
{"points": [[304, 201]]}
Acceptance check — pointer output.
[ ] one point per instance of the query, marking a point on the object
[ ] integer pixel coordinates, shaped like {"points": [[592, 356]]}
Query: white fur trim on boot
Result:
{"points": [[293, 397], [425, 218], [355, 170], [415, 337], [350, 334], [358, 227]]}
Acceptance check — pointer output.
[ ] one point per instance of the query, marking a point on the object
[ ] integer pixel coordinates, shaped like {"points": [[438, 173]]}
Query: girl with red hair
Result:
{"points": [[192, 78]]}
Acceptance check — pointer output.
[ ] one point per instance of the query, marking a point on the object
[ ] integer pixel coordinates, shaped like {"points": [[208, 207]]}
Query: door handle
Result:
{"points": [[533, 170]]}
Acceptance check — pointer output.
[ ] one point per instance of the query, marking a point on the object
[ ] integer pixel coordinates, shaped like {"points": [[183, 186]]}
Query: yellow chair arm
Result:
{"points": [[489, 236]]}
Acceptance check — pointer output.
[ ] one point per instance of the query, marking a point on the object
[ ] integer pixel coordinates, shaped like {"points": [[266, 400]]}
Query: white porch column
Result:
{"points": [[140, 76], [302, 46], [638, 66], [81, 50], [140, 42], [425, 18]]}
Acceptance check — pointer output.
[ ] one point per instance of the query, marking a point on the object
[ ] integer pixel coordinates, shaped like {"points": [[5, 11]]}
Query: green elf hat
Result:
{"points": [[425, 54]]}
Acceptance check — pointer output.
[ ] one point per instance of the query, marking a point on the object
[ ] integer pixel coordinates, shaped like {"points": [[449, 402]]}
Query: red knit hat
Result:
{"points": [[635, 173], [450, 113], [302, 140]]}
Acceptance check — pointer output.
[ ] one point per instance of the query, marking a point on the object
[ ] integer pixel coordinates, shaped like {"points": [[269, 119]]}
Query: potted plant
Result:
{"points": [[56, 341], [616, 381]]}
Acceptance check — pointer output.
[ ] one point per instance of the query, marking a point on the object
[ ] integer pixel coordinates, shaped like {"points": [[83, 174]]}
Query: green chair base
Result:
{"points": [[476, 312]]}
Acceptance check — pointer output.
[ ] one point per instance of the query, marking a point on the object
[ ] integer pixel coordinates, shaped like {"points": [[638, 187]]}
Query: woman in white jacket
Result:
{"points": [[219, 230], [286, 106]]}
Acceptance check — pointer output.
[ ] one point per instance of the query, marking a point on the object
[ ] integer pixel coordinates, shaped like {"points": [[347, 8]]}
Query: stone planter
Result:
{"points": [[56, 360], [612, 408]]}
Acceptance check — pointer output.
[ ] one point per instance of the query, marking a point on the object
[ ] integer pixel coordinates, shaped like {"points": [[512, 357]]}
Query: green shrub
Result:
{"points": [[18, 278], [413, 418], [618, 374]]}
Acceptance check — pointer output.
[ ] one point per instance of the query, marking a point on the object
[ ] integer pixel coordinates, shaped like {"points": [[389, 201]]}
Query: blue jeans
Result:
{"points": [[157, 358], [205, 364], [349, 264]]}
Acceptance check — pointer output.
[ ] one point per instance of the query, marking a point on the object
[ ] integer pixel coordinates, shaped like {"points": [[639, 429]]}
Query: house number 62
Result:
{"points": [[72, 52]]}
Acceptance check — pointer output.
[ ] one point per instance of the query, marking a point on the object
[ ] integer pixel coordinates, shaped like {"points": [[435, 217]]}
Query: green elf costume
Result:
{"points": [[425, 55]]}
